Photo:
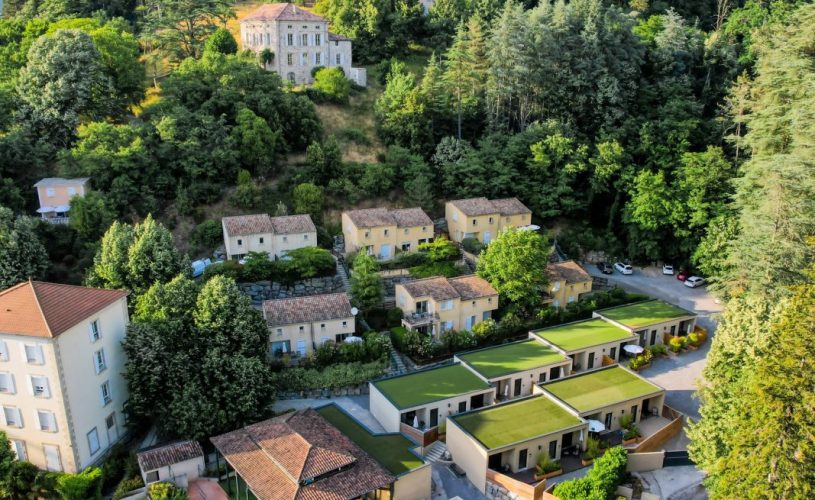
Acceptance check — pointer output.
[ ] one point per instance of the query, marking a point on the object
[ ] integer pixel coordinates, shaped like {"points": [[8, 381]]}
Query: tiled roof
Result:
{"points": [[481, 206], [48, 309], [282, 12], [300, 455], [242, 225], [307, 309], [162, 456], [288, 224], [441, 288], [472, 287], [59, 181], [378, 217], [411, 217], [568, 271]]}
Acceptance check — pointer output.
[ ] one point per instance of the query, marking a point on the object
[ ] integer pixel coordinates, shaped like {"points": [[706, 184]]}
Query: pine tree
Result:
{"points": [[459, 76]]}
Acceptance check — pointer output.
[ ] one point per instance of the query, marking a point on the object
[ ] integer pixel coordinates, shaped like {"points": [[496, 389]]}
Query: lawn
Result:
{"points": [[643, 314], [583, 334], [601, 388], [390, 450], [514, 422], [431, 385], [511, 358]]}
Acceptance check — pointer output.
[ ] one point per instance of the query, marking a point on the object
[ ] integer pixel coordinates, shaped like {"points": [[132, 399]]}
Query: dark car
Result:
{"points": [[605, 268]]}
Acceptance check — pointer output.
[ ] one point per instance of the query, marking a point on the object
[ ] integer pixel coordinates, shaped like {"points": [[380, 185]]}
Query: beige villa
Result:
{"points": [[55, 193], [650, 320], [271, 235], [483, 219], [383, 232], [567, 282], [62, 390], [299, 41], [298, 325], [435, 305]]}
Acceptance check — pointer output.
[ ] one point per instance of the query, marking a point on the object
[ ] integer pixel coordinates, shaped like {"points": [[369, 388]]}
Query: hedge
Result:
{"points": [[298, 379], [602, 480]]}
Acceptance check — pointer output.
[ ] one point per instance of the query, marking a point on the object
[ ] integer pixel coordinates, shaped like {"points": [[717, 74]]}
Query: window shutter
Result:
{"points": [[11, 386], [102, 395], [30, 385], [5, 421]]}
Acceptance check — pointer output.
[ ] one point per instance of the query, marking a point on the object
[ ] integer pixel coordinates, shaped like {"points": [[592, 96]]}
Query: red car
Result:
{"points": [[682, 276]]}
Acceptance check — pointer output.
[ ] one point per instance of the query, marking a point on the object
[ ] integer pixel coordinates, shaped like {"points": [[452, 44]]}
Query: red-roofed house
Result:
{"points": [[61, 362]]}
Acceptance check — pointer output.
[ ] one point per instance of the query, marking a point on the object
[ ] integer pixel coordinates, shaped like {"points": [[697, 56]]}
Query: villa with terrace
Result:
{"points": [[514, 369], [650, 320], [424, 399], [586, 342]]}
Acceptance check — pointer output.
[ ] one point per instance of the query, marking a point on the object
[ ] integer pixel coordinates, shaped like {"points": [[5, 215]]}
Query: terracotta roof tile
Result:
{"points": [[288, 224], [282, 12], [568, 271], [510, 206], [411, 217], [307, 309], [300, 456], [169, 454], [481, 206], [472, 287], [378, 217], [43, 309], [243, 225], [438, 287]]}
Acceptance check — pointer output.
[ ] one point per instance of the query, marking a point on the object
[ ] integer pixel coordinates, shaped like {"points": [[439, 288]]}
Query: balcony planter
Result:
{"points": [[586, 461], [633, 440], [539, 475], [692, 347]]}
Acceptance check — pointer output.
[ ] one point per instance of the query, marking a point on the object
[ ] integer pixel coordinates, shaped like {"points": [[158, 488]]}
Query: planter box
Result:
{"points": [[693, 347], [586, 463], [643, 367], [627, 442], [539, 477]]}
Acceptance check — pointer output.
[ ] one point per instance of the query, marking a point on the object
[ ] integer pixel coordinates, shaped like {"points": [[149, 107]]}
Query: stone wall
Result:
{"points": [[391, 282], [354, 390], [269, 290]]}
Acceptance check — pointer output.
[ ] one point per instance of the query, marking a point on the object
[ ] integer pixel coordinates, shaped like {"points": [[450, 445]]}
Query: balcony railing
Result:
{"points": [[420, 318], [56, 220]]}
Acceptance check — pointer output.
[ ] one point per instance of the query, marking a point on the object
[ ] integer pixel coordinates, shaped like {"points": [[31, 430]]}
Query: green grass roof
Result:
{"points": [[598, 389], [511, 358], [643, 314], [514, 422], [427, 386], [583, 334], [390, 450]]}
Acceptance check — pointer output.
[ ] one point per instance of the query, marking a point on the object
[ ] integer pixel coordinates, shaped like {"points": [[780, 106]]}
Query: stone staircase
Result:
{"points": [[435, 452]]}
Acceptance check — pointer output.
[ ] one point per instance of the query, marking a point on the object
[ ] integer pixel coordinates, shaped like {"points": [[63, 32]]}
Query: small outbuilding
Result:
{"points": [[178, 463]]}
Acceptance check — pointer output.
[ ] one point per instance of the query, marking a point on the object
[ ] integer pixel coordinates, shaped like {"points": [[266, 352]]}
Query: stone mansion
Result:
{"points": [[299, 41]]}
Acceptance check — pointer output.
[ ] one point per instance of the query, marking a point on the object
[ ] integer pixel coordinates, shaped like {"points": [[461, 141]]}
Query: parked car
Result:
{"points": [[694, 281], [668, 269], [605, 268], [682, 276], [199, 266], [623, 268]]}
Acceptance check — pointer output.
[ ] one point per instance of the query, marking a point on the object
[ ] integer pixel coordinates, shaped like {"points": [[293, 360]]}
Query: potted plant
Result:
{"points": [[694, 341], [675, 345], [592, 452], [546, 467], [659, 350], [631, 435]]}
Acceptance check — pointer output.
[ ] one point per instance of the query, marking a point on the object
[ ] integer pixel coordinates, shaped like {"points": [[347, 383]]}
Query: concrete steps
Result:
{"points": [[435, 452]]}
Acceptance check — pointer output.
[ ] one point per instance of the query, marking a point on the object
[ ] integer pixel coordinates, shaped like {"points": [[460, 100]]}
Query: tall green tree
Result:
{"points": [[222, 42], [366, 283], [22, 254], [91, 215], [308, 199], [180, 28], [109, 268]]}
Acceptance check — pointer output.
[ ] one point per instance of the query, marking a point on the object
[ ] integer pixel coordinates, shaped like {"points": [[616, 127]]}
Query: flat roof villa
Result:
{"points": [[650, 320], [586, 342], [608, 393], [427, 397], [515, 368], [512, 435]]}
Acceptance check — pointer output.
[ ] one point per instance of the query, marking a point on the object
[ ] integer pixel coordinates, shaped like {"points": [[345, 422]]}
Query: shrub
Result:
{"points": [[631, 432], [85, 485], [257, 267], [207, 235], [659, 350], [119, 464], [222, 42], [485, 330], [229, 268], [439, 250], [333, 84], [592, 449], [166, 491], [309, 262], [694, 339], [453, 341], [126, 486], [675, 344], [353, 134], [472, 245], [315, 70], [447, 269], [296, 379], [626, 421], [405, 260], [601, 481], [546, 464], [380, 318]]}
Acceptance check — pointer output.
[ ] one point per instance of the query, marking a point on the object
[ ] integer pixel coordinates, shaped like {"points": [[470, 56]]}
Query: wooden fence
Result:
{"points": [[526, 491], [423, 438], [655, 441]]}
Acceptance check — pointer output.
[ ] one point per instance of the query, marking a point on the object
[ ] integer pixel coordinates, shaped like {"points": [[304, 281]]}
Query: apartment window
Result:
{"points": [[33, 354], [110, 422], [290, 76], [424, 229], [462, 406], [447, 305], [240, 242], [12, 416], [302, 329], [260, 240], [152, 477], [473, 303], [386, 232], [318, 40], [6, 383], [39, 386], [268, 39], [53, 462], [279, 332], [49, 192], [490, 220], [104, 393], [19, 449], [542, 377], [304, 39], [285, 239], [489, 300], [95, 333], [71, 191], [367, 234], [289, 26], [318, 58], [99, 361], [47, 421], [3, 351], [304, 59], [344, 324], [475, 222], [290, 40], [305, 27], [93, 441], [322, 326], [289, 59], [338, 60], [305, 237]]}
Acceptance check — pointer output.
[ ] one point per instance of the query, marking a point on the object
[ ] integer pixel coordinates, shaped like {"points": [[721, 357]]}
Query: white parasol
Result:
{"points": [[596, 426], [633, 349]]}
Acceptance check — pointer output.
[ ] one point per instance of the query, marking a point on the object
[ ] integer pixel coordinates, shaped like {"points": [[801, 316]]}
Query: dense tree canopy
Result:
{"points": [[22, 254]]}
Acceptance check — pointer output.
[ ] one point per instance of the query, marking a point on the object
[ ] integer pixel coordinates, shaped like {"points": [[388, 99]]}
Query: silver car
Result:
{"points": [[694, 281], [623, 268]]}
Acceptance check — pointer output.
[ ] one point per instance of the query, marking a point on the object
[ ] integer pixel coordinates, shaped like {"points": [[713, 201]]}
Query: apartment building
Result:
{"points": [[271, 235], [298, 325], [435, 305], [299, 41], [62, 390], [55, 193], [383, 232], [567, 282], [483, 219]]}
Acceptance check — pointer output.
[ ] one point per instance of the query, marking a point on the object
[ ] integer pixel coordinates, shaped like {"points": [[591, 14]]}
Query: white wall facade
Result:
{"points": [[180, 474]]}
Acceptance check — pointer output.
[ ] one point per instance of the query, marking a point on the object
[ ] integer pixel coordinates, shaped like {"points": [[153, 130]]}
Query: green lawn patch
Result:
{"points": [[601, 388], [517, 421], [583, 334], [390, 450], [427, 386], [511, 358], [643, 314]]}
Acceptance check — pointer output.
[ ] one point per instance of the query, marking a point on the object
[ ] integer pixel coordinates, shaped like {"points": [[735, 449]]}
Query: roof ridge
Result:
{"points": [[14, 287], [271, 457], [39, 308]]}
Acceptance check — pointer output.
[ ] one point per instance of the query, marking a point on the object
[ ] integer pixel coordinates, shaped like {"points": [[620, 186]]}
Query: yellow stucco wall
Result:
{"points": [[310, 333], [414, 485], [564, 293], [391, 236], [483, 227], [59, 194], [456, 316]]}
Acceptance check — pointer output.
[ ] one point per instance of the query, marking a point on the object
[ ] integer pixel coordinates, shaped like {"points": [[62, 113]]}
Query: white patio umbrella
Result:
{"points": [[506, 390], [633, 349], [596, 426], [415, 421], [352, 340]]}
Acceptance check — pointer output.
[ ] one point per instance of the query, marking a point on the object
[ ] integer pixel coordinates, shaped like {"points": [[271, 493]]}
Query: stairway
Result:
{"points": [[397, 366], [435, 451]]}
